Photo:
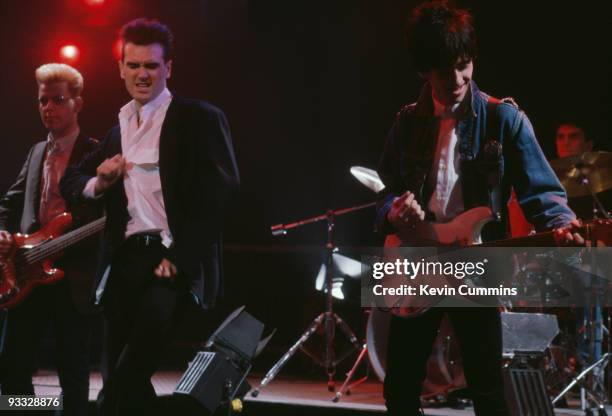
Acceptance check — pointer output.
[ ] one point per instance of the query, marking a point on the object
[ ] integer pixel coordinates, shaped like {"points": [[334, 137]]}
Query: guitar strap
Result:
{"points": [[492, 155]]}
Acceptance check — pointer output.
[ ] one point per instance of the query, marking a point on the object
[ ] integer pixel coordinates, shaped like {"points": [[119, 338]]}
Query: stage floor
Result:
{"points": [[366, 398]]}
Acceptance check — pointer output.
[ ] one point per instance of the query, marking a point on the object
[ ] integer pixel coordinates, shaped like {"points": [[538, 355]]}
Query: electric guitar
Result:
{"points": [[464, 230], [29, 263]]}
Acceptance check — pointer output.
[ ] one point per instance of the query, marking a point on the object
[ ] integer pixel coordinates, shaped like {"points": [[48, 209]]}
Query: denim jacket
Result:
{"points": [[518, 163]]}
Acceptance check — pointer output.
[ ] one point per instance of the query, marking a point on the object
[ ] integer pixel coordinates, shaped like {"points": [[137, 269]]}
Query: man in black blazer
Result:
{"points": [[31, 203], [165, 173]]}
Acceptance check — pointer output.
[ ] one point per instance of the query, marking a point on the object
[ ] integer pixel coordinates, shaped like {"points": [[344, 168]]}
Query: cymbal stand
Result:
{"points": [[346, 387], [591, 379], [607, 329], [597, 205], [582, 379], [328, 319]]}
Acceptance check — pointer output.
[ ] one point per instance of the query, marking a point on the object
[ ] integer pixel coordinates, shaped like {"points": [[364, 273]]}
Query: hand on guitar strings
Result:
{"points": [[569, 236], [6, 242], [405, 212], [166, 270]]}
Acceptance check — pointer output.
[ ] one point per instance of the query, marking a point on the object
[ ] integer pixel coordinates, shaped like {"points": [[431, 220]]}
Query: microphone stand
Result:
{"points": [[328, 318]]}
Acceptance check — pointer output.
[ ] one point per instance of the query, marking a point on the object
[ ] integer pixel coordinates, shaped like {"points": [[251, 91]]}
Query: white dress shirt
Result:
{"points": [[140, 133], [447, 198]]}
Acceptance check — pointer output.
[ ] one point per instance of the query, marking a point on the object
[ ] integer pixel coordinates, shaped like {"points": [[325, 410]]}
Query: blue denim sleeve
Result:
{"points": [[389, 172], [539, 192]]}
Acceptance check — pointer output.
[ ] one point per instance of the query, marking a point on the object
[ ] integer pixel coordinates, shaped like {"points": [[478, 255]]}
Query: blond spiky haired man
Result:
{"points": [[31, 203]]}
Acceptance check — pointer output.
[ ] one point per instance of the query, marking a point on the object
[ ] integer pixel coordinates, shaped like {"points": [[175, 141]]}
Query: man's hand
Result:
{"points": [[405, 212], [568, 236], [108, 173], [6, 242], [166, 270]]}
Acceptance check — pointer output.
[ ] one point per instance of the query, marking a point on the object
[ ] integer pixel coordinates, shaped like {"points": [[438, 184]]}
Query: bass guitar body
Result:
{"points": [[26, 266]]}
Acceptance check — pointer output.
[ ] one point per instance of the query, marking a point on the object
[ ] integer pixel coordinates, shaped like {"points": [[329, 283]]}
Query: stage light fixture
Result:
{"points": [[216, 376]]}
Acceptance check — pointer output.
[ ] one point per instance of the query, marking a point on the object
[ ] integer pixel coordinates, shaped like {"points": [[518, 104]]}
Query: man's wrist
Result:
{"points": [[97, 189], [91, 190], [388, 224]]}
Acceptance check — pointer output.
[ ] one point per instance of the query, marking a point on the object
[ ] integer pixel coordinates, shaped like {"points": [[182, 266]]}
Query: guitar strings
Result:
{"points": [[61, 242], [38, 253]]}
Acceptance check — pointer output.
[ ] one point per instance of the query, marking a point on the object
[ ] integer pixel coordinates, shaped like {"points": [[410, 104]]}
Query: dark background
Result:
{"points": [[310, 89]]}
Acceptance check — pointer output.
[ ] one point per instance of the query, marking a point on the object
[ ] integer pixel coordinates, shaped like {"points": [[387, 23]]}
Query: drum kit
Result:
{"points": [[589, 174], [577, 358]]}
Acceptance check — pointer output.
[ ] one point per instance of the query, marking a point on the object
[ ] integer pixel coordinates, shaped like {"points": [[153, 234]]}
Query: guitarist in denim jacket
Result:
{"points": [[457, 148]]}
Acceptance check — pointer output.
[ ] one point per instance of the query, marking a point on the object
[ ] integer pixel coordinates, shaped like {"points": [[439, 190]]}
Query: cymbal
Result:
{"points": [[595, 167], [368, 177]]}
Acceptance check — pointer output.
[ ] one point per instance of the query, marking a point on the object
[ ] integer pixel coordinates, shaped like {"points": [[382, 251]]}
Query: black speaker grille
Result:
{"points": [[196, 367], [529, 395]]}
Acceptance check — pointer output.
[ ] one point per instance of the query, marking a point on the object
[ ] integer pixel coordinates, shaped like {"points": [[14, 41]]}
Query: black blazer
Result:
{"points": [[198, 175], [19, 213]]}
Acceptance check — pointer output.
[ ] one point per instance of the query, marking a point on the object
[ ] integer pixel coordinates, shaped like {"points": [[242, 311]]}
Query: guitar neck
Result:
{"points": [[64, 241], [463, 229], [543, 239]]}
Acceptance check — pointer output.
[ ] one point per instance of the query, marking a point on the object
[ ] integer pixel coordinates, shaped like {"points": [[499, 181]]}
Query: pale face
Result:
{"points": [[58, 109], [571, 141], [450, 86], [144, 71]]}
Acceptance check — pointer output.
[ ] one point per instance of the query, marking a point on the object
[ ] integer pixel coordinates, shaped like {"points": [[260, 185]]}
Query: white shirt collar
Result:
{"points": [[130, 109]]}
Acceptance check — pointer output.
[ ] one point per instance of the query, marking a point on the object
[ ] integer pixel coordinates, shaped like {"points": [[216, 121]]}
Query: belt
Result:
{"points": [[143, 240]]}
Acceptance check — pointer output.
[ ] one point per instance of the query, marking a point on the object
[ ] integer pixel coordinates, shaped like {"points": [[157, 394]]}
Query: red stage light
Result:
{"points": [[117, 49], [69, 52], [94, 2]]}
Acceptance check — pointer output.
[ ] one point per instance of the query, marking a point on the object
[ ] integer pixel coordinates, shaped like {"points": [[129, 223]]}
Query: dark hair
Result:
{"points": [[574, 121], [439, 35], [143, 31]]}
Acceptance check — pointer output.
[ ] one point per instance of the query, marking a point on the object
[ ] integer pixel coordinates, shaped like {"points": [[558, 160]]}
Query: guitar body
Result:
{"points": [[461, 231], [22, 270]]}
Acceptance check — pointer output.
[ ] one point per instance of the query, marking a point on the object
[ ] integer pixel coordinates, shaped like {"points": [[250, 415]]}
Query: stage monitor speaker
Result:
{"points": [[217, 376], [210, 379], [526, 393], [526, 333], [239, 334]]}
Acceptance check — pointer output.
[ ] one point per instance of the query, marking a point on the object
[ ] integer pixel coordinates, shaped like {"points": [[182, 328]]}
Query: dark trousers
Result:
{"points": [[21, 332], [141, 312], [478, 331]]}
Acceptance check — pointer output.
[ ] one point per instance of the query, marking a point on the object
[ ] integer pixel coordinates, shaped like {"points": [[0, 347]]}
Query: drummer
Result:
{"points": [[572, 139]]}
